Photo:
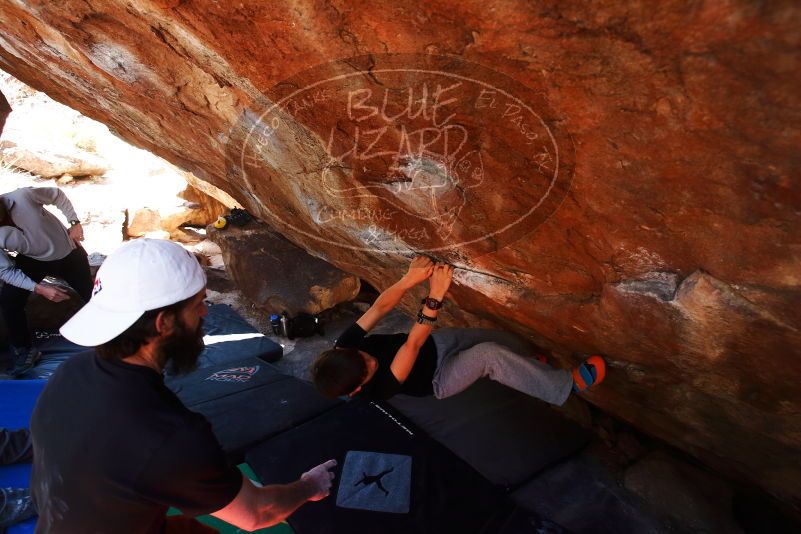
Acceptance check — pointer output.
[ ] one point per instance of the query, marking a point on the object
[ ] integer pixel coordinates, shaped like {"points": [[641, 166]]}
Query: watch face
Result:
{"points": [[432, 304]]}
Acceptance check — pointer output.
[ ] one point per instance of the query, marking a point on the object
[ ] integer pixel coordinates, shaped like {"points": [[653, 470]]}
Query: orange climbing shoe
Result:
{"points": [[590, 373]]}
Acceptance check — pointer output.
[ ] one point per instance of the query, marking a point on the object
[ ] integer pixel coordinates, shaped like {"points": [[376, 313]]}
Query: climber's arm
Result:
{"points": [[419, 271]]}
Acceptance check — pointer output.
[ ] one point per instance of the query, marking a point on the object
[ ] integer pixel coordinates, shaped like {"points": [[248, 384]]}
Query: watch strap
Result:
{"points": [[424, 319]]}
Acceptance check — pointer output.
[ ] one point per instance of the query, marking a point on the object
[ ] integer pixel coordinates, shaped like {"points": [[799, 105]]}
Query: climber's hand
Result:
{"points": [[419, 271], [440, 281]]}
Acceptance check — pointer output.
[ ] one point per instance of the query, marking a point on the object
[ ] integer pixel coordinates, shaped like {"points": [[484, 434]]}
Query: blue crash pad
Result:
{"points": [[18, 397], [228, 338]]}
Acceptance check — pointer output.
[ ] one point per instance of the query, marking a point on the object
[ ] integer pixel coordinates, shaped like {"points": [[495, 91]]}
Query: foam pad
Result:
{"points": [[218, 381], [18, 397], [446, 495], [229, 338], [248, 401], [505, 435], [55, 350]]}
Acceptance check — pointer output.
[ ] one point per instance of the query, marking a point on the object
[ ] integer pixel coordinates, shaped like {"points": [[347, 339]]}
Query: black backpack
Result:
{"points": [[302, 325]]}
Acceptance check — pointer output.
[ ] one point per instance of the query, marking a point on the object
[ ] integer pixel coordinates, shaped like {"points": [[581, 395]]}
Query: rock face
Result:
{"points": [[276, 275], [693, 500], [45, 141], [191, 207], [205, 208], [613, 179]]}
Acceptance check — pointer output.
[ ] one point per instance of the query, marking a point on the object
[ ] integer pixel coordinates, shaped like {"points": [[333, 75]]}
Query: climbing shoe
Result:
{"points": [[590, 373], [24, 361]]}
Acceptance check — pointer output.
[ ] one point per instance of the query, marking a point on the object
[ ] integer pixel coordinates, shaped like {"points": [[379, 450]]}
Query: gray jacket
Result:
{"points": [[39, 234]]}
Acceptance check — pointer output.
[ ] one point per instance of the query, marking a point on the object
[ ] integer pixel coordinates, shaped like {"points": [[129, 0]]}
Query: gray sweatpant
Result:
{"points": [[465, 355]]}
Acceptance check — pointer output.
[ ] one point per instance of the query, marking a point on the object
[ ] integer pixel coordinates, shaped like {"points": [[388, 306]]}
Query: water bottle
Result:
{"points": [[285, 324], [275, 323]]}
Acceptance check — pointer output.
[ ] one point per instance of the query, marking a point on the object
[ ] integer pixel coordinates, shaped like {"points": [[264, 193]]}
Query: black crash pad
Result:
{"points": [[505, 435], [218, 381], [248, 401], [230, 338], [447, 495]]}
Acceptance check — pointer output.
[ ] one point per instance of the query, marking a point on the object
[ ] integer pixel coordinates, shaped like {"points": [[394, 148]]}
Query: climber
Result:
{"points": [[442, 362], [44, 247]]}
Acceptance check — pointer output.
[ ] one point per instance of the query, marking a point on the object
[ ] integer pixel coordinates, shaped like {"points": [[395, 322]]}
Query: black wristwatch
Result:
{"points": [[73, 222], [431, 304], [425, 319]]}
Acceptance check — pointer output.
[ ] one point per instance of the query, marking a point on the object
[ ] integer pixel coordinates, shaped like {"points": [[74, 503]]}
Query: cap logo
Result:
{"points": [[97, 288]]}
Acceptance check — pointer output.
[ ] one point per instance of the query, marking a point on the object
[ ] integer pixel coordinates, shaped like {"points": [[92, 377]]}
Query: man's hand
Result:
{"points": [[419, 270], [51, 292], [76, 233], [440, 281], [320, 479]]}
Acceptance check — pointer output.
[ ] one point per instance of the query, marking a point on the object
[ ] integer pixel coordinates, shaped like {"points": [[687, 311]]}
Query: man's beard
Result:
{"points": [[179, 352]]}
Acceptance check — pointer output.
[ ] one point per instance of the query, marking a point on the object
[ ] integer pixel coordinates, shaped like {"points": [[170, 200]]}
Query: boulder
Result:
{"points": [[142, 221], [276, 275], [204, 208], [48, 163], [612, 177], [690, 498], [210, 252], [189, 207], [205, 193]]}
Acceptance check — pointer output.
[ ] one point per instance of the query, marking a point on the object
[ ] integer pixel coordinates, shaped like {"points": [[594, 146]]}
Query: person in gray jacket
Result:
{"points": [[43, 247]]}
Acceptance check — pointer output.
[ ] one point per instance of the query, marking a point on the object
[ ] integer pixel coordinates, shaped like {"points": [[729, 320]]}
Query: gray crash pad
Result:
{"points": [[505, 435]]}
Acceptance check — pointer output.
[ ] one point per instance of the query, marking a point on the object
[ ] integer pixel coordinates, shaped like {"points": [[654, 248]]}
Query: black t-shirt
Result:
{"points": [[383, 348], [114, 448]]}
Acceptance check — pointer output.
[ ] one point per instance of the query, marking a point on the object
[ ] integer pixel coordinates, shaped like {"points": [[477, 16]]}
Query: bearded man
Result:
{"points": [[113, 447]]}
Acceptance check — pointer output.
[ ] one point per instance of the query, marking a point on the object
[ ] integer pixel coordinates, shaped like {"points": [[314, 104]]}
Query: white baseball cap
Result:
{"points": [[141, 275]]}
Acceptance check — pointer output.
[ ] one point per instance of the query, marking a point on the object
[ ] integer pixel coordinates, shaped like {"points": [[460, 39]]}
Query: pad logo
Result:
{"points": [[375, 479], [235, 374], [97, 288]]}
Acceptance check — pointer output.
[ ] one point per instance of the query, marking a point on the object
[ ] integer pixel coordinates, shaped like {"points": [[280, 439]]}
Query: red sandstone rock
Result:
{"points": [[666, 235], [277, 276]]}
